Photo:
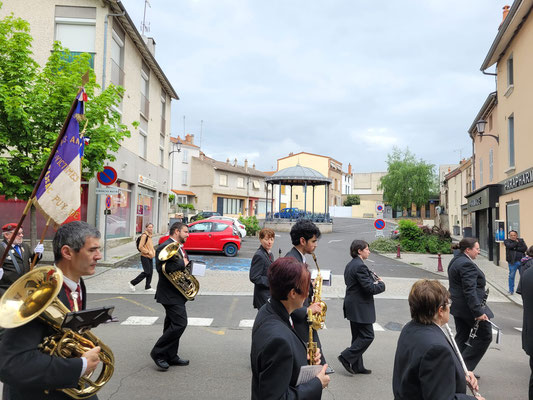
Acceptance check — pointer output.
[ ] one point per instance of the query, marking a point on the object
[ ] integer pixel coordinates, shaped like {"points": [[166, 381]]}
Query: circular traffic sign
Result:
{"points": [[379, 208], [108, 176], [379, 224], [108, 201]]}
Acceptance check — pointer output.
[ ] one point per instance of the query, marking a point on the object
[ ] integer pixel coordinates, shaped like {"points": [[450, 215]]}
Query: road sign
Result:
{"points": [[106, 191], [379, 208], [108, 176], [379, 224], [108, 201]]}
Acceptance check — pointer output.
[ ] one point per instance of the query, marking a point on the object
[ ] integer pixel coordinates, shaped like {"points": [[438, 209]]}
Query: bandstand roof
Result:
{"points": [[298, 175]]}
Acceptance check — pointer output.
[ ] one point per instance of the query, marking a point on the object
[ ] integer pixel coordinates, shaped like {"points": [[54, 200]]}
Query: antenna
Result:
{"points": [[184, 126], [144, 27], [201, 129], [460, 151]]}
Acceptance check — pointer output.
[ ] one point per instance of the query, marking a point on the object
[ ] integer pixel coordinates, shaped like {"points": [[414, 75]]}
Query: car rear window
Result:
{"points": [[218, 227], [201, 227]]}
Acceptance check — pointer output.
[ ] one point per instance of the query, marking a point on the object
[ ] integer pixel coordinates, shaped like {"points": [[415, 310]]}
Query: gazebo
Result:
{"points": [[298, 176]]}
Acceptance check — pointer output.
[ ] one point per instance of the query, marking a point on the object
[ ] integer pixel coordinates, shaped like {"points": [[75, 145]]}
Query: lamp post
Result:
{"points": [[480, 126], [177, 149]]}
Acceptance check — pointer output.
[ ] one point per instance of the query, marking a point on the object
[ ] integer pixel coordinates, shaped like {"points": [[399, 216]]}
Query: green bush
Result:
{"points": [[425, 240], [352, 200], [384, 245], [251, 224], [186, 205]]}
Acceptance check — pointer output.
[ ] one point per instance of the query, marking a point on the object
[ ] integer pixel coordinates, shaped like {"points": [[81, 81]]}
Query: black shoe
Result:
{"points": [[161, 364], [345, 364], [329, 370], [178, 361], [364, 371]]}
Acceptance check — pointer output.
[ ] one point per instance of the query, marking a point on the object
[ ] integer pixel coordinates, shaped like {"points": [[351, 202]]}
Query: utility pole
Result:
{"points": [[144, 27]]}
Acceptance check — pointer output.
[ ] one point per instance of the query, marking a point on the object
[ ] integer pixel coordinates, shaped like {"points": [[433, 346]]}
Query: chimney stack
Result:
{"points": [[349, 169], [246, 164], [253, 166], [150, 43], [227, 160], [235, 162], [505, 12]]}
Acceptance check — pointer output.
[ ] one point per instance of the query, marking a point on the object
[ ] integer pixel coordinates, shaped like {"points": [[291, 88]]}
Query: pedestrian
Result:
{"points": [[514, 252], [425, 365], [361, 286], [146, 247], [525, 263], [468, 294], [261, 260], [527, 326]]}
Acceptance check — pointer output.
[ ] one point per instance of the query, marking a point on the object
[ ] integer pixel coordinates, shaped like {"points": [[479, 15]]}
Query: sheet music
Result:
{"points": [[308, 372]]}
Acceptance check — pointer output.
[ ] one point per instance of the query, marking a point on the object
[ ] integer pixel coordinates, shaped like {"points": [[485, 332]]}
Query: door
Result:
{"points": [[200, 236]]}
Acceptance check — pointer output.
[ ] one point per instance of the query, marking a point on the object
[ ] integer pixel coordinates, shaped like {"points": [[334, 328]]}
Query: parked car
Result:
{"points": [[240, 227], [212, 235], [204, 215], [293, 213]]}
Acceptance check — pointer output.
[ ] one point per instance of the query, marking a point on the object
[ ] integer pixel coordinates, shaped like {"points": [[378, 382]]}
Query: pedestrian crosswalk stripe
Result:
{"points": [[199, 321], [246, 323], [377, 327], [494, 331], [518, 329], [137, 320]]}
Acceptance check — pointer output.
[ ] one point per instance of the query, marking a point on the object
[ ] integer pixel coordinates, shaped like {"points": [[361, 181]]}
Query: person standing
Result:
{"points": [[261, 260], [146, 247], [277, 352], [361, 286], [515, 248], [525, 263], [467, 289], [527, 327], [28, 373], [165, 351], [19, 257], [425, 365]]}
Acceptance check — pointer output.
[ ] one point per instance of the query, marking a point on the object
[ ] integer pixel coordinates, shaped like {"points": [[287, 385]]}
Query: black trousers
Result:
{"points": [[362, 338], [175, 323], [148, 268], [472, 355]]}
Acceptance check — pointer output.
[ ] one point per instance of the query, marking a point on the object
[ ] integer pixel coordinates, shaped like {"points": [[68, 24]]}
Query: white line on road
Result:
{"points": [[136, 320], [518, 329], [377, 327], [368, 259], [246, 323], [334, 240], [199, 321]]}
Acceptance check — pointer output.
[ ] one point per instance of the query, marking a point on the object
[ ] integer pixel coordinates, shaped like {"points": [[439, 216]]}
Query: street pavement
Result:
{"points": [[217, 340]]}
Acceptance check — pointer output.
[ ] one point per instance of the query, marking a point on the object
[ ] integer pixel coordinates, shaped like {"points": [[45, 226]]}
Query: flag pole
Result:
{"points": [[43, 172]]}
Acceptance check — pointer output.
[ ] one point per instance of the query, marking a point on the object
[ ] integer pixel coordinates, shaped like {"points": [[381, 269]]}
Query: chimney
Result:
{"points": [[246, 164], [291, 154], [253, 166], [192, 138], [505, 12], [227, 160], [349, 169], [150, 42], [235, 162], [187, 138]]}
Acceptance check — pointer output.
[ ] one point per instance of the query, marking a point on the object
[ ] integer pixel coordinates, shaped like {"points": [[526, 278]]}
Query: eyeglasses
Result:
{"points": [[448, 303]]}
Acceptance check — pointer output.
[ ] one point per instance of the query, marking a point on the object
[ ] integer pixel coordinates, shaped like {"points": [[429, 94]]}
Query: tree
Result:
{"points": [[352, 200], [408, 180], [34, 103]]}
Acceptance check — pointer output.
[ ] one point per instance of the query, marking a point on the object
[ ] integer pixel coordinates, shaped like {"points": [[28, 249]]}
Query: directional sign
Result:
{"points": [[108, 176], [108, 201], [106, 190], [379, 224]]}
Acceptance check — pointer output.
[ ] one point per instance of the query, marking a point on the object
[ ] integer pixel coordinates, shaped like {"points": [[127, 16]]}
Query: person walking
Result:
{"points": [[262, 259], [515, 248], [146, 247]]}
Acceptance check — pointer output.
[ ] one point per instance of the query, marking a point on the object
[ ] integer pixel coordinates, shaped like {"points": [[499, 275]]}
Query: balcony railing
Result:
{"points": [[117, 74], [145, 106]]}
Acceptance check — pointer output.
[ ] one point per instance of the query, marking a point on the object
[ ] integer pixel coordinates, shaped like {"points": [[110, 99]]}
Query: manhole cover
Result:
{"points": [[393, 326]]}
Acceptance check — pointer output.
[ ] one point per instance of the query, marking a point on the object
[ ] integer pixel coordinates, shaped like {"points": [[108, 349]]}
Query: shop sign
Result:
{"points": [[519, 181], [147, 181], [485, 198]]}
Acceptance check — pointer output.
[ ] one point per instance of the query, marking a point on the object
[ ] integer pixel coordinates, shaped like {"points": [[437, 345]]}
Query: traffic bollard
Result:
{"points": [[439, 264], [398, 251]]}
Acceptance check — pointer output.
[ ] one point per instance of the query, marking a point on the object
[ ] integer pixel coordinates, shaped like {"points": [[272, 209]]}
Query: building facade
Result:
{"points": [[457, 184], [182, 152]]}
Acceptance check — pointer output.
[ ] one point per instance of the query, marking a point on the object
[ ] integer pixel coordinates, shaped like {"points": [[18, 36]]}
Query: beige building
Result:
{"points": [[181, 154], [504, 183], [228, 188], [366, 185], [457, 184], [120, 55]]}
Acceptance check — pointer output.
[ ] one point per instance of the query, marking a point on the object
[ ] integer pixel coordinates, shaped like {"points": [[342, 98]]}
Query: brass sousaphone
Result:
{"points": [[35, 295], [184, 280]]}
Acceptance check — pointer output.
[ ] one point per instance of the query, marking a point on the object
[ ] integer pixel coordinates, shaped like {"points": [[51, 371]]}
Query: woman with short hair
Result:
{"points": [[262, 259]]}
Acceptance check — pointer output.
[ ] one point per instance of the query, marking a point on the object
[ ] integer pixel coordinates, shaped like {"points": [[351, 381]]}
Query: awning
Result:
{"points": [[183, 192]]}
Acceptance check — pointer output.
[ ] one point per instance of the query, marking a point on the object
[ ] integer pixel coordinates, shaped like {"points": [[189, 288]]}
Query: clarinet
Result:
{"points": [[473, 331]]}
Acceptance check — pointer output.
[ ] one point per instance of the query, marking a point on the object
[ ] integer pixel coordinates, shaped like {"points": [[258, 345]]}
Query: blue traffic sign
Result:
{"points": [[108, 176], [108, 202], [380, 208], [379, 224]]}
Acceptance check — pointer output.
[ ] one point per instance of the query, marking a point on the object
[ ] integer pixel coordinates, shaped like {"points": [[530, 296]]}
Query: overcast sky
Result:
{"points": [[343, 78]]}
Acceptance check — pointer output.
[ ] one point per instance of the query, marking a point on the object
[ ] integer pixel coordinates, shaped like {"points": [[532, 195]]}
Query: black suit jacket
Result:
{"points": [[10, 272], [299, 316], [166, 293], [277, 356], [514, 250], [27, 371], [360, 291], [426, 367], [467, 288], [258, 276], [527, 298]]}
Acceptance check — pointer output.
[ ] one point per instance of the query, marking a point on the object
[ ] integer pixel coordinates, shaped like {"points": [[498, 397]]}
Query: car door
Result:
{"points": [[220, 233], [199, 236]]}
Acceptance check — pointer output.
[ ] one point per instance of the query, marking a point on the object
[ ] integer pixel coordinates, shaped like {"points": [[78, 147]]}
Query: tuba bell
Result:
{"points": [[184, 281], [35, 295]]}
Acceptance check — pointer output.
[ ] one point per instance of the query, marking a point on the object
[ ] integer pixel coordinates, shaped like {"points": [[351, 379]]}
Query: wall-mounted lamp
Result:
{"points": [[177, 148], [480, 126]]}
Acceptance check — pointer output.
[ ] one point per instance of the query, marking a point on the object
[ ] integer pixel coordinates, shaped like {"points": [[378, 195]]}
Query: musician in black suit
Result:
{"points": [[425, 366], [165, 351], [19, 257], [361, 286], [277, 352], [467, 289], [27, 372], [258, 270], [527, 328]]}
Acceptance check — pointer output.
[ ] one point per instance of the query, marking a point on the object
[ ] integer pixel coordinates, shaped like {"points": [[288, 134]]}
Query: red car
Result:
{"points": [[212, 235]]}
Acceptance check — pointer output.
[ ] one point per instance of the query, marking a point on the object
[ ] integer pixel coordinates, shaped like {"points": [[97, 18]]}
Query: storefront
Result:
{"points": [[118, 222], [145, 208], [482, 205]]}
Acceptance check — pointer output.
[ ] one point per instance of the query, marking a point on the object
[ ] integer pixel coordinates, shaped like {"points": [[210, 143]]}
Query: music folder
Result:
{"points": [[87, 319], [326, 276]]}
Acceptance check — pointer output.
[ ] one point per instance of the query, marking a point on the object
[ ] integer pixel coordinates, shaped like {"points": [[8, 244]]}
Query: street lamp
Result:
{"points": [[480, 126], [177, 149]]}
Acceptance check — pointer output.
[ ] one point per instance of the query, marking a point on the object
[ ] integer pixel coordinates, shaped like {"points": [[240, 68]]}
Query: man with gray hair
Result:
{"points": [[76, 247]]}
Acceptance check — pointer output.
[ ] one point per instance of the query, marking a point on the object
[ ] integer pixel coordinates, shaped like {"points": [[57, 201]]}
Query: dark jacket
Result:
{"points": [[426, 367], [258, 276], [360, 290], [525, 264], [27, 371], [467, 288], [514, 250], [166, 292], [527, 298], [10, 271], [277, 356]]}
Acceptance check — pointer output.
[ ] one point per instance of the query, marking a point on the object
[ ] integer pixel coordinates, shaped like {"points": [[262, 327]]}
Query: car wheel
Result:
{"points": [[230, 250]]}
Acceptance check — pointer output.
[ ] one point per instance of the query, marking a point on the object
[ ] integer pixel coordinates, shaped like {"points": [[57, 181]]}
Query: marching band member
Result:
{"points": [[277, 352], [165, 351], [26, 371], [262, 259]]}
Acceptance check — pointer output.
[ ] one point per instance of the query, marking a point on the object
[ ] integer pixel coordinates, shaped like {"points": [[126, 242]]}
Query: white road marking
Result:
{"points": [[368, 259], [199, 321], [518, 329], [136, 320], [377, 327], [334, 240], [246, 323]]}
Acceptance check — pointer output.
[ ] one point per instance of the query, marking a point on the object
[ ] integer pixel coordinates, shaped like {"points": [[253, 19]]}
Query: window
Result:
{"points": [[282, 189], [185, 153], [163, 111], [223, 180], [201, 227], [510, 71], [513, 217], [184, 178], [255, 184], [145, 88], [162, 149], [240, 182], [76, 28], [232, 206], [117, 55], [491, 165], [480, 172], [510, 129], [143, 137], [218, 227]]}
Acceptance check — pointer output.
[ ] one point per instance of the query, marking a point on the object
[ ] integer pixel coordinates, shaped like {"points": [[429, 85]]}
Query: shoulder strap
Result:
{"points": [[13, 258]]}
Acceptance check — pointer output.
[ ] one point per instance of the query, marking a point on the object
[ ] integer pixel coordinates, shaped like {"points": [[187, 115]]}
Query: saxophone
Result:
{"points": [[184, 281], [311, 346], [318, 320]]}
